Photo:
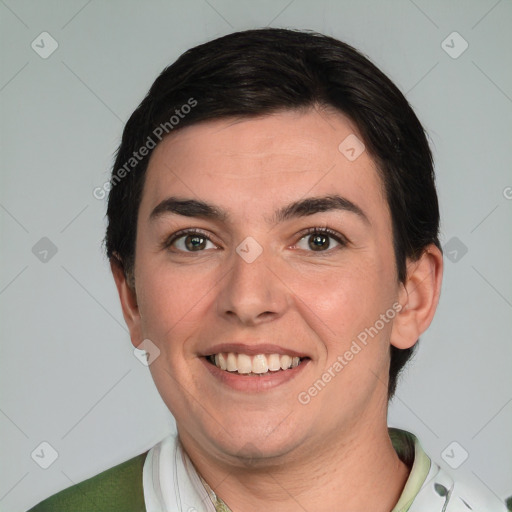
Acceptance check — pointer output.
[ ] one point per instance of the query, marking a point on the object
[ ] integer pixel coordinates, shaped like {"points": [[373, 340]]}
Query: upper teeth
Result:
{"points": [[260, 363]]}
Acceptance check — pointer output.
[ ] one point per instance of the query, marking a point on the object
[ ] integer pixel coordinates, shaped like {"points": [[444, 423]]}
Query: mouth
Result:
{"points": [[258, 365]]}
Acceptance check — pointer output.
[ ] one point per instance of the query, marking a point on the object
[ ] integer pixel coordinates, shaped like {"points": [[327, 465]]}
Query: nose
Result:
{"points": [[252, 292]]}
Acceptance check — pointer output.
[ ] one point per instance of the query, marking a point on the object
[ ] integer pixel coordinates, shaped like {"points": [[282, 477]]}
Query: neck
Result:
{"points": [[356, 473]]}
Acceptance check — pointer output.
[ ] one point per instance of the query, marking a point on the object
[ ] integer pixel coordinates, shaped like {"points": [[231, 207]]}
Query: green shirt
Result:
{"points": [[120, 489]]}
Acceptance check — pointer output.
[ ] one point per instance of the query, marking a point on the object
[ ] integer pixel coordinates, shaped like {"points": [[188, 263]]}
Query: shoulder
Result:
{"points": [[433, 488], [467, 495], [116, 489], [446, 491]]}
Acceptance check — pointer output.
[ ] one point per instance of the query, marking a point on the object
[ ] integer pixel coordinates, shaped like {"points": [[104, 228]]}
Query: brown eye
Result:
{"points": [[318, 242], [190, 241], [321, 240], [195, 242]]}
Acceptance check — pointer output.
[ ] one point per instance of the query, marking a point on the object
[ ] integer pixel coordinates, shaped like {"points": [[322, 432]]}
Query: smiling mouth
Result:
{"points": [[254, 366]]}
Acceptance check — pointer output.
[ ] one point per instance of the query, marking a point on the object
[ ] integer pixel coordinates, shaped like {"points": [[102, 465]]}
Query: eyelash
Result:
{"points": [[322, 230]]}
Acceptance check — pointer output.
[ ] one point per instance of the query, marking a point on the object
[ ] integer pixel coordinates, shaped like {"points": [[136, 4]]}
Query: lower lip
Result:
{"points": [[254, 383]]}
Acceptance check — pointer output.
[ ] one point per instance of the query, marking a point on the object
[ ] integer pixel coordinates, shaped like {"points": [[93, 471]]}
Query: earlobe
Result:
{"points": [[128, 299], [419, 296]]}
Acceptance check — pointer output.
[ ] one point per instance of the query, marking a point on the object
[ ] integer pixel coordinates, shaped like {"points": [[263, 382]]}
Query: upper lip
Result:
{"points": [[252, 350]]}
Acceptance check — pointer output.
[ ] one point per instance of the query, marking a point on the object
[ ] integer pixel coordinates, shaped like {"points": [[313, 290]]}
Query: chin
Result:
{"points": [[253, 447]]}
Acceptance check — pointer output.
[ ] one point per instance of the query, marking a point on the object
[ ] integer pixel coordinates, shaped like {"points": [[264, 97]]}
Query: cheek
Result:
{"points": [[345, 304], [160, 296], [341, 296], [173, 299]]}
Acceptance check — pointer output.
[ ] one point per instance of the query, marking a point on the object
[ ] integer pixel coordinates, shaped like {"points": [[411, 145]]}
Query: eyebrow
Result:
{"points": [[300, 208]]}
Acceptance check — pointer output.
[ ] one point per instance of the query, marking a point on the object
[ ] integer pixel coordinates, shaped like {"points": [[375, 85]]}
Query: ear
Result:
{"points": [[418, 296], [128, 299]]}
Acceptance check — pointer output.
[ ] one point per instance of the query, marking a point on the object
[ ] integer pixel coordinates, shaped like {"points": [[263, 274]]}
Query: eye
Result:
{"points": [[320, 240], [189, 240]]}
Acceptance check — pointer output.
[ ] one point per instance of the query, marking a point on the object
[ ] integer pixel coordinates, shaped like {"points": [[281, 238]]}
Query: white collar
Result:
{"points": [[171, 483]]}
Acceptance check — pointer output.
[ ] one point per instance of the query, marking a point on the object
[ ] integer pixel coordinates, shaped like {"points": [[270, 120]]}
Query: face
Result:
{"points": [[236, 263]]}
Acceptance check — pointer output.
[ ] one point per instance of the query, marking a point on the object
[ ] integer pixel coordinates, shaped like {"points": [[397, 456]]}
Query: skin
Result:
{"points": [[265, 449]]}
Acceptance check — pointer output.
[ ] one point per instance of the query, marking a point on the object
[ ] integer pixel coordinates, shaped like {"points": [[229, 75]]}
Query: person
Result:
{"points": [[273, 236]]}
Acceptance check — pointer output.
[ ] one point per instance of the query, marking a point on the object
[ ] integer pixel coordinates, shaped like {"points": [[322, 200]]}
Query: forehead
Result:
{"points": [[261, 160]]}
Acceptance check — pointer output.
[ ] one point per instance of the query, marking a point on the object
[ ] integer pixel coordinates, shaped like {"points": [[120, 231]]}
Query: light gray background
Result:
{"points": [[69, 376]]}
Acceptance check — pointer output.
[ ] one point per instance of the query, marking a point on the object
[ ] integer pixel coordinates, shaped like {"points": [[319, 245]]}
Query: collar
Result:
{"points": [[171, 483]]}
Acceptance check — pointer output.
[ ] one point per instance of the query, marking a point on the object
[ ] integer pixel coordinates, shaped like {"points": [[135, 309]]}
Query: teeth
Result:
{"points": [[258, 364], [244, 363], [222, 362], [232, 367], [286, 362], [274, 363]]}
